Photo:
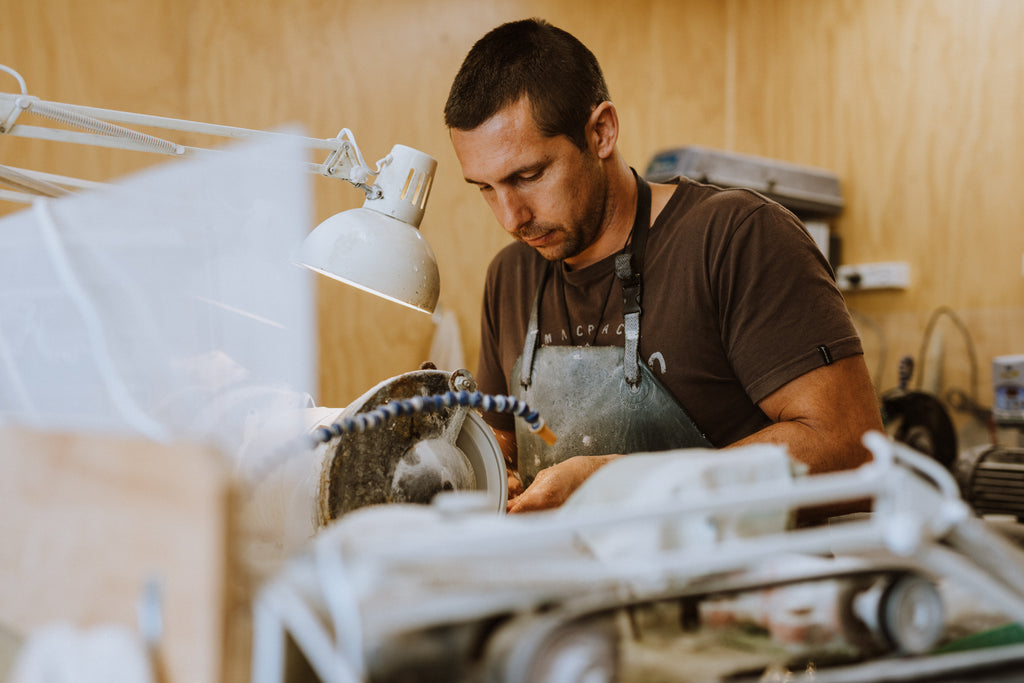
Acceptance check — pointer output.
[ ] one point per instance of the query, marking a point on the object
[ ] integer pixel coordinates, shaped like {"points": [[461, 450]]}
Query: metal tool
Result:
{"points": [[414, 456]]}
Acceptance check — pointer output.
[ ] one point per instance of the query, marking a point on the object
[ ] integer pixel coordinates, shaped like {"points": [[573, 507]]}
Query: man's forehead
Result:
{"points": [[512, 123], [491, 153]]}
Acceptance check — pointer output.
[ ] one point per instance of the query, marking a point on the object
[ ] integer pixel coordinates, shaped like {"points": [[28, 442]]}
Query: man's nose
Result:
{"points": [[511, 211]]}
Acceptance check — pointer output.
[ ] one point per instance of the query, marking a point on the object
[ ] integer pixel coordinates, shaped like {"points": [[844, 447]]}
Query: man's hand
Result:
{"points": [[507, 444], [515, 484], [553, 485]]}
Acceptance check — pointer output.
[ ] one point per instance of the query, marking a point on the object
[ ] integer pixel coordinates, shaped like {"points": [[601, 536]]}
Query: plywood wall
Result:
{"points": [[915, 104]]}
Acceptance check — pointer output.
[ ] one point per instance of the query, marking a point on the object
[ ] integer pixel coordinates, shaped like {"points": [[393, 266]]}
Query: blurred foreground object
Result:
{"points": [[415, 593], [163, 305], [88, 521]]}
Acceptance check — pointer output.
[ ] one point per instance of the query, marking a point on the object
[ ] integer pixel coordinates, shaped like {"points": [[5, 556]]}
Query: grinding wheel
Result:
{"points": [[412, 458], [919, 420]]}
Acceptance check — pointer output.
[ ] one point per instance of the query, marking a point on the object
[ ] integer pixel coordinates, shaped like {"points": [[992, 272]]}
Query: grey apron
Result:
{"points": [[599, 399]]}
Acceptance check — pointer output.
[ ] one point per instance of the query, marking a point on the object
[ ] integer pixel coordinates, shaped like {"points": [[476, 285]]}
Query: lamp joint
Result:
{"points": [[20, 104]]}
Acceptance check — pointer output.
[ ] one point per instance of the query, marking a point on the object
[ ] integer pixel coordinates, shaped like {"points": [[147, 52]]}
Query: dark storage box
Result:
{"points": [[803, 190]]}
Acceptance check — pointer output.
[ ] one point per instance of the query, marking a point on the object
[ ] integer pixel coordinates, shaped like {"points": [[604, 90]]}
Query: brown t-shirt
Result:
{"points": [[737, 301]]}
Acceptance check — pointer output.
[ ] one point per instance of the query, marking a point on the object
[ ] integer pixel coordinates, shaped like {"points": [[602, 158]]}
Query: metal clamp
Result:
{"points": [[20, 104]]}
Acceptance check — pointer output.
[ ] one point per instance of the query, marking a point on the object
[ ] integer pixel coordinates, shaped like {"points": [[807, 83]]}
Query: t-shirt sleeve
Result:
{"points": [[490, 376], [780, 311]]}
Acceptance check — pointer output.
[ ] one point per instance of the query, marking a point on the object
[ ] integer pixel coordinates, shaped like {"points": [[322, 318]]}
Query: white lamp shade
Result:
{"points": [[376, 253]]}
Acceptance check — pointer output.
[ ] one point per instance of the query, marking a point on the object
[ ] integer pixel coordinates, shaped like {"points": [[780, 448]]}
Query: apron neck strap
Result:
{"points": [[628, 265]]}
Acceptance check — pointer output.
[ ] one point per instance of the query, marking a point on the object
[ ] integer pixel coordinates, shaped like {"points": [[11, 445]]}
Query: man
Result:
{"points": [[638, 317]]}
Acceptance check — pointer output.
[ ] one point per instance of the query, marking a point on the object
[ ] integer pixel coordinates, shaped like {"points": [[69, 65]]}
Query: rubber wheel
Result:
{"points": [[911, 614], [545, 649], [582, 652]]}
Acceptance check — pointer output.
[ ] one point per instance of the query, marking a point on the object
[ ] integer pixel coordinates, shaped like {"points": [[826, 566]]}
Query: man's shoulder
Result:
{"points": [[699, 209], [700, 195]]}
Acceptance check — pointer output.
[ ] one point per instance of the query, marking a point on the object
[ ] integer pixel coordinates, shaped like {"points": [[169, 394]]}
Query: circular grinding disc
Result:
{"points": [[360, 468]]}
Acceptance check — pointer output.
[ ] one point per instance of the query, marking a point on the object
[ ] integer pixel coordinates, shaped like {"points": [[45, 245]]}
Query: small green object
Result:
{"points": [[1010, 634]]}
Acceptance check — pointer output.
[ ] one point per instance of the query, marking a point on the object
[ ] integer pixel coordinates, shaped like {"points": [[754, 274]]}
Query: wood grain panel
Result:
{"points": [[913, 103], [91, 53]]}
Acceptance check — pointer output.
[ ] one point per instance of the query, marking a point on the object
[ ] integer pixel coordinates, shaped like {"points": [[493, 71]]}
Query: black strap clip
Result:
{"points": [[630, 283]]}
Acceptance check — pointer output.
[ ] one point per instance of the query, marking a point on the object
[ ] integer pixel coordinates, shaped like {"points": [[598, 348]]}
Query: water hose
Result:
{"points": [[436, 402]]}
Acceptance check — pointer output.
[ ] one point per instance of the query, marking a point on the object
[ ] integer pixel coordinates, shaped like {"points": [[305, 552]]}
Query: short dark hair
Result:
{"points": [[555, 71]]}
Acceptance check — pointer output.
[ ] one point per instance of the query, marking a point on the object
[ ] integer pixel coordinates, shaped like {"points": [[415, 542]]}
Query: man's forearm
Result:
{"points": [[821, 452], [822, 416]]}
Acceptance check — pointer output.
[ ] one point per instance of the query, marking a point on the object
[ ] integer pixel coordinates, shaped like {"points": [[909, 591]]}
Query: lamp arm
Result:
{"points": [[101, 127], [358, 247]]}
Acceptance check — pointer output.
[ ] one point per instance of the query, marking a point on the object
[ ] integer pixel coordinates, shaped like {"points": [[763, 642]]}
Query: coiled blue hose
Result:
{"points": [[423, 404]]}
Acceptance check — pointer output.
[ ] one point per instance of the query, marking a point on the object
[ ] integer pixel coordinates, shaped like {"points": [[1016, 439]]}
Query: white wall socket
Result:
{"points": [[884, 275]]}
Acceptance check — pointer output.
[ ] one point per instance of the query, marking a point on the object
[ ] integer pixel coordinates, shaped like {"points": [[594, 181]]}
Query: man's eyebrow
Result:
{"points": [[529, 168]]}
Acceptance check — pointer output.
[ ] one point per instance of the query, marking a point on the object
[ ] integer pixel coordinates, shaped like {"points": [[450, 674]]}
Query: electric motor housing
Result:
{"points": [[991, 480]]}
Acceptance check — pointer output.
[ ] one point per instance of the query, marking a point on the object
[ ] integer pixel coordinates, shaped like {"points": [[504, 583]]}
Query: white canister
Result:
{"points": [[1008, 387]]}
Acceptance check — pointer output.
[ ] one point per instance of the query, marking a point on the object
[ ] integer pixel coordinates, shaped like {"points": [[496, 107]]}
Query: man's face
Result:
{"points": [[544, 191]]}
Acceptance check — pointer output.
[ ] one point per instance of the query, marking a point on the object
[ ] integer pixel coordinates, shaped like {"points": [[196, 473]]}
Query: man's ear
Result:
{"points": [[603, 129]]}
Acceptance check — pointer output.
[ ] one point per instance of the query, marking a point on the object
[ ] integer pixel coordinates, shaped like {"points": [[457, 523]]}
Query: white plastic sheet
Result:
{"points": [[164, 305]]}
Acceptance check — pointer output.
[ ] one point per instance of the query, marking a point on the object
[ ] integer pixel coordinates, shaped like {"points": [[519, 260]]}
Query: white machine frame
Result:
{"points": [[344, 601]]}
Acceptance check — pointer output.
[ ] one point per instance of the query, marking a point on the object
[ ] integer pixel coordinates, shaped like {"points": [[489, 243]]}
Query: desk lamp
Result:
{"points": [[377, 248]]}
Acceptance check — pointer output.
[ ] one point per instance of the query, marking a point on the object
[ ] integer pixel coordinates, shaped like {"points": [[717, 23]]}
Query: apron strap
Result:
{"points": [[532, 332], [628, 266]]}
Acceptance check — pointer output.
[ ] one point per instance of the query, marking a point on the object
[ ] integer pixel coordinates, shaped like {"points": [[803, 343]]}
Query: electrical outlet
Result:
{"points": [[885, 275]]}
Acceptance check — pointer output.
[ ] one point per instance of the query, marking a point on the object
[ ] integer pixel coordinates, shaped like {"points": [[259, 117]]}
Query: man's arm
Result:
{"points": [[822, 415], [552, 485]]}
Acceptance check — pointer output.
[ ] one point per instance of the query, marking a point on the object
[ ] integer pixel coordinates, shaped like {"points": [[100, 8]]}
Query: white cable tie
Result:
{"points": [[386, 161]]}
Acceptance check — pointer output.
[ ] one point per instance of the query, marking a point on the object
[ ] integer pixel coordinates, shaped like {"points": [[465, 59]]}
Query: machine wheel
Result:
{"points": [[541, 650], [414, 457], [911, 614], [583, 652]]}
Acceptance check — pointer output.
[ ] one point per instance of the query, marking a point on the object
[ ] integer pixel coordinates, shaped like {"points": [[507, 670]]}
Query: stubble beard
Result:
{"points": [[574, 238]]}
